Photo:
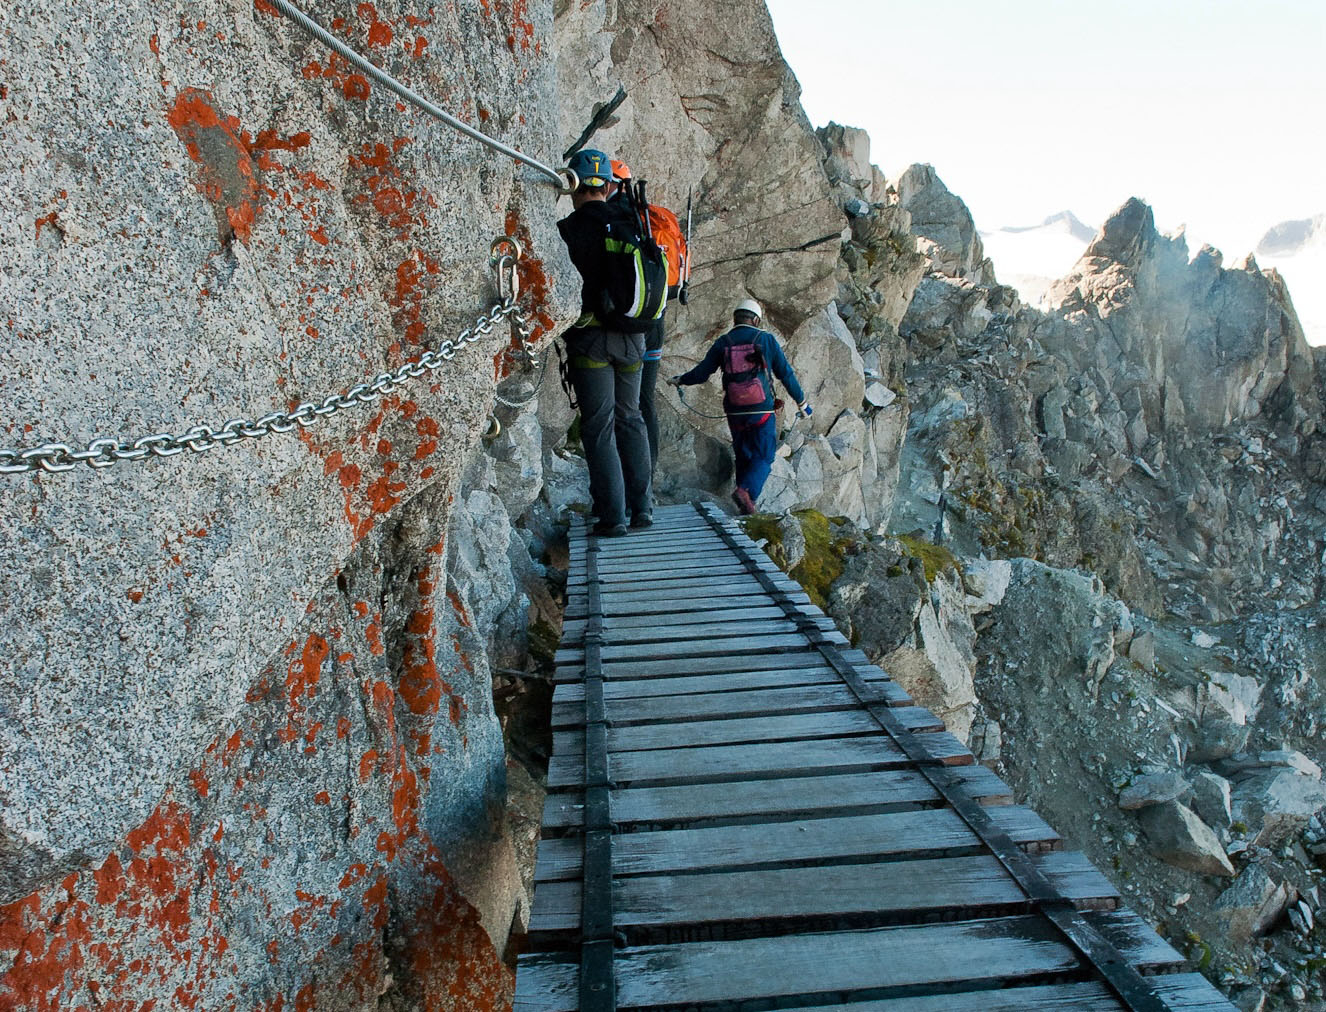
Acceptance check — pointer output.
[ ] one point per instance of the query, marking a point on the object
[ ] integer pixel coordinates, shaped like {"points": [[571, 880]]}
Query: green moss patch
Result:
{"points": [[826, 547], [935, 558]]}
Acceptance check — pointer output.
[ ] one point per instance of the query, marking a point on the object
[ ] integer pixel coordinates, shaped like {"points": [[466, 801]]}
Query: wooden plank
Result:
{"points": [[727, 763], [660, 562], [715, 706], [678, 543], [1183, 992], [848, 723], [673, 667], [695, 625], [719, 682], [1132, 935], [774, 800], [698, 629], [919, 833], [643, 576], [680, 605], [767, 643], [984, 957], [754, 611], [692, 584], [684, 609], [710, 594], [831, 963], [634, 671], [887, 891]]}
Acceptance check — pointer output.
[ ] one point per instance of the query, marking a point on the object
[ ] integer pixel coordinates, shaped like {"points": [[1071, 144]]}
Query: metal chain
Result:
{"points": [[523, 356], [102, 453], [565, 180]]}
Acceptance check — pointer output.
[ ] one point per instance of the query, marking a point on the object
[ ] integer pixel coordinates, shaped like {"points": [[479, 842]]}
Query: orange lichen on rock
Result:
{"points": [[303, 673], [229, 173]]}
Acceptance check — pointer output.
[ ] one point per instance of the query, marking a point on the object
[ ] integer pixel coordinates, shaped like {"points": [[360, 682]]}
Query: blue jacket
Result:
{"points": [[774, 359]]}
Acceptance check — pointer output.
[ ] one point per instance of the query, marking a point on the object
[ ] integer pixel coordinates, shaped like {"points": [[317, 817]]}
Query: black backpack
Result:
{"points": [[635, 276]]}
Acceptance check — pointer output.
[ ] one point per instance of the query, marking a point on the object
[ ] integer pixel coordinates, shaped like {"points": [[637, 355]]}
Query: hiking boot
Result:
{"points": [[603, 530], [745, 504], [642, 520]]}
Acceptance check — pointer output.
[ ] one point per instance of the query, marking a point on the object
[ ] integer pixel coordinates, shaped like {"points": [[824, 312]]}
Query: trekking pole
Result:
{"points": [[683, 296], [643, 206]]}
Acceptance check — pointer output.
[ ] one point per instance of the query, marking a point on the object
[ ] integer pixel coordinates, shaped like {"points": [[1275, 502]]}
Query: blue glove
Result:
{"points": [[804, 409], [675, 380]]}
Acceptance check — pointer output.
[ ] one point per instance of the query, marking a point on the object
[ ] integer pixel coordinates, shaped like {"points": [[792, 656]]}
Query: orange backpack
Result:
{"points": [[667, 233]]}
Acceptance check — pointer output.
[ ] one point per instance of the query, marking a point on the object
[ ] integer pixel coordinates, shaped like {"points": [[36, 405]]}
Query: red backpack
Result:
{"points": [[743, 375]]}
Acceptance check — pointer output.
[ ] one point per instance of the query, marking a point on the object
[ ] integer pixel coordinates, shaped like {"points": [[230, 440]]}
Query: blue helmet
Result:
{"points": [[593, 168]]}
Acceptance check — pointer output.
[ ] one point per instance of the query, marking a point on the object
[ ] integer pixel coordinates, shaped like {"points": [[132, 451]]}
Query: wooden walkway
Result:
{"points": [[743, 813]]}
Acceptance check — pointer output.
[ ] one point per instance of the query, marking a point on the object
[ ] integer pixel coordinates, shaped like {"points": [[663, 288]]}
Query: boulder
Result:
{"points": [[1276, 804], [1142, 651], [1154, 789], [939, 671], [823, 354], [1230, 696], [985, 582], [1252, 904], [1217, 738], [944, 310], [1211, 798], [1178, 837]]}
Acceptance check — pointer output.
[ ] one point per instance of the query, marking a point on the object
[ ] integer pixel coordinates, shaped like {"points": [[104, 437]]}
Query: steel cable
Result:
{"points": [[565, 181]]}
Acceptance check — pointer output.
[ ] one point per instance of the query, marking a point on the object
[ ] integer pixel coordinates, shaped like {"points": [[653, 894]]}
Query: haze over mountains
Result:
{"points": [[1032, 257]]}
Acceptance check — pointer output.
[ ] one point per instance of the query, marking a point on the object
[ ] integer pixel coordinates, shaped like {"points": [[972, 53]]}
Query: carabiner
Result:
{"points": [[504, 264]]}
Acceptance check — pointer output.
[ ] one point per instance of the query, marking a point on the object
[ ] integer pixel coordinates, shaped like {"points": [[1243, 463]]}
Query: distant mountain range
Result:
{"points": [[1289, 238], [1030, 258], [1065, 222]]}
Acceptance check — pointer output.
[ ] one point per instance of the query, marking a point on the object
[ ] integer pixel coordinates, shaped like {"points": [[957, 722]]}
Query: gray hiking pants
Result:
{"points": [[605, 372]]}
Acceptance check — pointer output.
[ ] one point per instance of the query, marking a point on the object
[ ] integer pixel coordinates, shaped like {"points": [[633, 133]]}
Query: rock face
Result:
{"points": [[245, 723]]}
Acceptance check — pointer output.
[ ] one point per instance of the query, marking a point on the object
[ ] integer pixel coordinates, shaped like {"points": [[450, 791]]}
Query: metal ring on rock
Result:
{"points": [[572, 182], [494, 429], [517, 250]]}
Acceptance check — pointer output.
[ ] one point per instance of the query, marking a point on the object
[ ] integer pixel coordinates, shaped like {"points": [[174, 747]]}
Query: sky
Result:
{"points": [[1210, 110]]}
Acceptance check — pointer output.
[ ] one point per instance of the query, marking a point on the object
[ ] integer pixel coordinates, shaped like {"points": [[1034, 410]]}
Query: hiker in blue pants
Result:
{"points": [[750, 358]]}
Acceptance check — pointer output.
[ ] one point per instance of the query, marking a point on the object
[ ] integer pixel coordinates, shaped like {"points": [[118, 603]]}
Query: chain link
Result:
{"points": [[55, 458]]}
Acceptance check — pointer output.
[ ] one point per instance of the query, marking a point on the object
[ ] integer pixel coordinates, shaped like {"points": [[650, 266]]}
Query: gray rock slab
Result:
{"points": [[1178, 837], [1154, 789], [1252, 904], [1275, 805], [1211, 798]]}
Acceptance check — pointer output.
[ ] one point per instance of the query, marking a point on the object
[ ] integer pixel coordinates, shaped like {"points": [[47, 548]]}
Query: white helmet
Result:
{"points": [[749, 306]]}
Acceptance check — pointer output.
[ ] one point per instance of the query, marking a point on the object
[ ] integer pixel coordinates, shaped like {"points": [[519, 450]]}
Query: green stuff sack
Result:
{"points": [[635, 277]]}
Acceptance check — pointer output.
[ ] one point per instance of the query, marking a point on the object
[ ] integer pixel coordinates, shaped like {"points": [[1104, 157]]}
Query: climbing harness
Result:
{"points": [[565, 180], [103, 452]]}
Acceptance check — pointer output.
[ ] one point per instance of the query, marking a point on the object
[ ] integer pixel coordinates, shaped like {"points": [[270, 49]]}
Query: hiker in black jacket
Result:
{"points": [[750, 358], [605, 365]]}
